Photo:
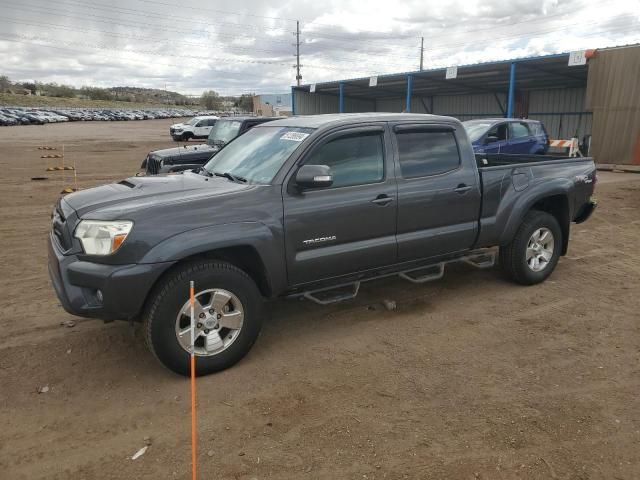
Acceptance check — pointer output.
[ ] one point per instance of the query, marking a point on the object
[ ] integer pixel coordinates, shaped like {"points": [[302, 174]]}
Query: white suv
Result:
{"points": [[197, 127]]}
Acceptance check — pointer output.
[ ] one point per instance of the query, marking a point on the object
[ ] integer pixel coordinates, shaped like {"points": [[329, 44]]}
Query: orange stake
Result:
{"points": [[193, 385]]}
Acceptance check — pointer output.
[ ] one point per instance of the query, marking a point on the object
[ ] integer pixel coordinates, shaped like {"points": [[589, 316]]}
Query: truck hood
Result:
{"points": [[200, 150], [113, 201]]}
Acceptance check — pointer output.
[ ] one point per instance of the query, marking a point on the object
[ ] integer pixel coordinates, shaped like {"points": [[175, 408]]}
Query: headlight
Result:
{"points": [[178, 130], [102, 238]]}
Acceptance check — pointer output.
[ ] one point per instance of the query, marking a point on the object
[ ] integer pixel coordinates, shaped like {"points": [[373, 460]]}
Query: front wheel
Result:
{"points": [[534, 252], [228, 317]]}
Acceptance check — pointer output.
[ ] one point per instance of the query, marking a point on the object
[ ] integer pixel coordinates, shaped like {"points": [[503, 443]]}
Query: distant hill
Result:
{"points": [[150, 95]]}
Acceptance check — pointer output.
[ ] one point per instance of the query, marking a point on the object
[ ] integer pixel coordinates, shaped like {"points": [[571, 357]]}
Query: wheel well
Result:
{"points": [[558, 206], [244, 257]]}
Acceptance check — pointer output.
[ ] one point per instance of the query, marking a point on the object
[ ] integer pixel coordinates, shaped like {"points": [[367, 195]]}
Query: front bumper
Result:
{"points": [[123, 288], [586, 211]]}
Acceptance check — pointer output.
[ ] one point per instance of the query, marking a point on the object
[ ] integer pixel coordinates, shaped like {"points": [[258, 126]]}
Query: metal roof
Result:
{"points": [[548, 71]]}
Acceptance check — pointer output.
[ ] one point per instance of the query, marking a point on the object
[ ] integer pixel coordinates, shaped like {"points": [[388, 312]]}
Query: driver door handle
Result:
{"points": [[382, 200], [462, 188]]}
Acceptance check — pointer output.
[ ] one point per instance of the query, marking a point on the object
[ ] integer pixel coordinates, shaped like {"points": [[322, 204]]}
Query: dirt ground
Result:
{"points": [[471, 377]]}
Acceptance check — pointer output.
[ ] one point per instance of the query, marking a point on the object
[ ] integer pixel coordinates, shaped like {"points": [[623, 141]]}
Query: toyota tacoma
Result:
{"points": [[306, 206]]}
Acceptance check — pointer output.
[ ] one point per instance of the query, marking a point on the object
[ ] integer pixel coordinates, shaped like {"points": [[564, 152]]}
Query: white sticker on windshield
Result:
{"points": [[294, 136]]}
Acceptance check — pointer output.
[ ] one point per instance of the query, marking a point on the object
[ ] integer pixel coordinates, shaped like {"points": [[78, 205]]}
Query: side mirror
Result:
{"points": [[491, 139], [314, 176]]}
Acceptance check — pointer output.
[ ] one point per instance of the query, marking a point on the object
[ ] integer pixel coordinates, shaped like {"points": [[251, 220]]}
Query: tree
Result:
{"points": [[211, 100], [245, 102], [5, 83]]}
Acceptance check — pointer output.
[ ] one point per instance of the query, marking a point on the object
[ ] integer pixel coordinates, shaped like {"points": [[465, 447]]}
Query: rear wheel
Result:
{"points": [[228, 317], [534, 252]]}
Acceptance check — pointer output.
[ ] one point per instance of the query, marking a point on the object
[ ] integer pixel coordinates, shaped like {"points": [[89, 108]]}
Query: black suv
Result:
{"points": [[177, 159]]}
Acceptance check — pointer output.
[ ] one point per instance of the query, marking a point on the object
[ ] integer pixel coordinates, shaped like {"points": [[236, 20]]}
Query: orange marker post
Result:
{"points": [[192, 300]]}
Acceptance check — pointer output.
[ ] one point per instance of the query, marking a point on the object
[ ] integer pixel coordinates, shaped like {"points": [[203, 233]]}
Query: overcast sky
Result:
{"points": [[248, 45]]}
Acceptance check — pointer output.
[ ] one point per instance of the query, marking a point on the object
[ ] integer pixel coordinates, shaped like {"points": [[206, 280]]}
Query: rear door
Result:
{"points": [[521, 141], [497, 138], [350, 226], [203, 127], [438, 193]]}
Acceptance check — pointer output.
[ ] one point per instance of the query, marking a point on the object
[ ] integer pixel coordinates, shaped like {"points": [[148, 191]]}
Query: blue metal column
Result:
{"points": [[341, 98], [512, 89], [293, 101], [407, 107]]}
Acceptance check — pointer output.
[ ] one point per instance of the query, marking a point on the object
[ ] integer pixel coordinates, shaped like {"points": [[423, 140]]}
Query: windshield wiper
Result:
{"points": [[230, 176], [203, 171]]}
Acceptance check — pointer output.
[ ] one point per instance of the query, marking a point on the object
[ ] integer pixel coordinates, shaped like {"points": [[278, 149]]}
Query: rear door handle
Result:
{"points": [[462, 188], [382, 200]]}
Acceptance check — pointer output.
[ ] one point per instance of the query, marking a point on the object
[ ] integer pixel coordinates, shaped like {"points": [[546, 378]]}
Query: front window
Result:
{"points": [[193, 121], [223, 132], [475, 130], [354, 159], [257, 155]]}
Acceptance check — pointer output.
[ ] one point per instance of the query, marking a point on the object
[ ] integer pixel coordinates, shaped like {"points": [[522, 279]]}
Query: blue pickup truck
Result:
{"points": [[507, 135]]}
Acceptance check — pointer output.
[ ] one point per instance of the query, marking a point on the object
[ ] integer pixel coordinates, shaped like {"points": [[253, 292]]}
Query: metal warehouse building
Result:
{"points": [[592, 95]]}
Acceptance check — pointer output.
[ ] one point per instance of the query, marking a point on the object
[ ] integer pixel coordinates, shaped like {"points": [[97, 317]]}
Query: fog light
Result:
{"points": [[99, 296]]}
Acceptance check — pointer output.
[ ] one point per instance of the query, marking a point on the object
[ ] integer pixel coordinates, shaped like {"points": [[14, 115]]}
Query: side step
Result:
{"points": [[481, 260], [333, 294], [432, 272], [428, 273]]}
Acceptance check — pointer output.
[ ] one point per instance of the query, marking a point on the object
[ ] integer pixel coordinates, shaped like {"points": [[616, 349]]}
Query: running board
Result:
{"points": [[481, 260], [433, 272], [337, 293], [323, 296]]}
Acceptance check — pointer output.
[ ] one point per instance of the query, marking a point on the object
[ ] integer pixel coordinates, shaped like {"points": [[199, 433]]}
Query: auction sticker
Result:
{"points": [[294, 136]]}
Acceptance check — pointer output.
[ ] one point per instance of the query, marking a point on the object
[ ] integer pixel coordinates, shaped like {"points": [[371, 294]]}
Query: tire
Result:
{"points": [[513, 257], [161, 322], [186, 136]]}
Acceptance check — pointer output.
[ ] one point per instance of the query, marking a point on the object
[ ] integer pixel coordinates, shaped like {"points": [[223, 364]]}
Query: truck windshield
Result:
{"points": [[223, 132], [476, 129], [193, 121], [257, 155]]}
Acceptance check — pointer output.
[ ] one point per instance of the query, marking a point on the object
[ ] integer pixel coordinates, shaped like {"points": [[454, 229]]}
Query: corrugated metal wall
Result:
{"points": [[317, 103], [613, 94], [562, 110], [466, 107]]}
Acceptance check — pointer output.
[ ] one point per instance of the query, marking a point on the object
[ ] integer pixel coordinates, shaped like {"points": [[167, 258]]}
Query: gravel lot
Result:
{"points": [[471, 377]]}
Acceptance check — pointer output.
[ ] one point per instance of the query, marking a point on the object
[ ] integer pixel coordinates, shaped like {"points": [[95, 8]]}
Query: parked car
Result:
{"points": [[507, 135], [299, 207], [197, 127], [193, 156]]}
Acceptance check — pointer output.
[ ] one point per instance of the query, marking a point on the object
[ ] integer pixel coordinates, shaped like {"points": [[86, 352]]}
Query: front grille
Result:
{"points": [[153, 165], [58, 228]]}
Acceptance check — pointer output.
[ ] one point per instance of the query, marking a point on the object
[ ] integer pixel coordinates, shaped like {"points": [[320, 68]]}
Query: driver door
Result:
{"points": [[351, 225], [497, 138]]}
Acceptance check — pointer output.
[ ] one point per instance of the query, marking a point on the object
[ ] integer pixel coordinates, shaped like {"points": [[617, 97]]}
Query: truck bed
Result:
{"points": [[485, 160]]}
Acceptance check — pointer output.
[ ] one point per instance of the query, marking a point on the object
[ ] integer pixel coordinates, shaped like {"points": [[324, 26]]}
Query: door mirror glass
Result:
{"points": [[314, 176], [490, 139]]}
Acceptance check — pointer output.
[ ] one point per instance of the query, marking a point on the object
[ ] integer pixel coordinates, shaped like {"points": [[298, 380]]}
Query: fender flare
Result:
{"points": [[256, 235], [528, 199]]}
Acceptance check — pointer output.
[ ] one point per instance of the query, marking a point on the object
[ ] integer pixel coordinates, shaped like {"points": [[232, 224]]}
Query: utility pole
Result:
{"points": [[297, 65], [421, 51]]}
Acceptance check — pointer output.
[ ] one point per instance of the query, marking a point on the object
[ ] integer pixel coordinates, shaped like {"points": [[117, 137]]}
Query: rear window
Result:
{"points": [[519, 130], [536, 129], [424, 153]]}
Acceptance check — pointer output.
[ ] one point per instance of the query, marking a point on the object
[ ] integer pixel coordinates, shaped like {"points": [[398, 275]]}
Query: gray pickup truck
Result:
{"points": [[177, 159], [306, 206]]}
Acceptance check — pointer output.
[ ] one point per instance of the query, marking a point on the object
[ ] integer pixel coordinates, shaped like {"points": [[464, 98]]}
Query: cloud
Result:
{"points": [[247, 45]]}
